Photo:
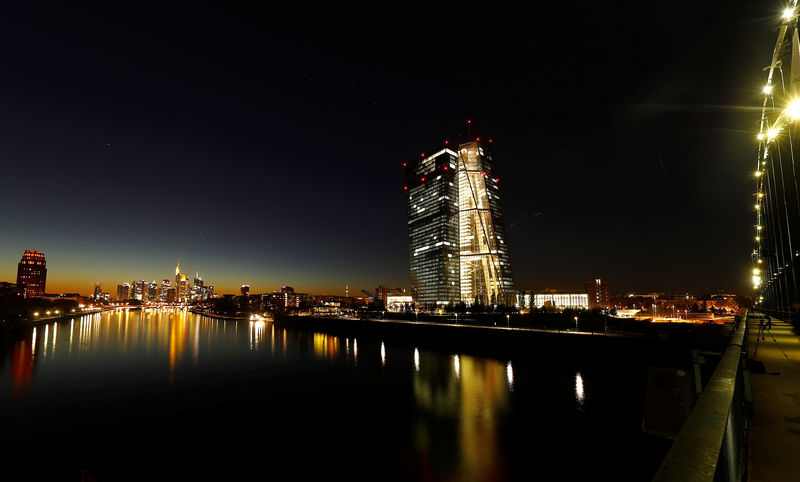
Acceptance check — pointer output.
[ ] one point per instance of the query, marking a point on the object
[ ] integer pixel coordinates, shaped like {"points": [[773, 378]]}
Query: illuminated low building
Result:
{"points": [[399, 303], [561, 300]]}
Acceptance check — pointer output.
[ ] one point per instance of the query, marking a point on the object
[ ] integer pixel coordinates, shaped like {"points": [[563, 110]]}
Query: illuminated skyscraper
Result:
{"points": [[456, 229], [32, 273], [197, 290], [123, 291], [178, 293], [432, 195], [485, 263]]}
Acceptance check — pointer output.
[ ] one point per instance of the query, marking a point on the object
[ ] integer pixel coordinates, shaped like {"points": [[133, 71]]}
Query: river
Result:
{"points": [[165, 394]]}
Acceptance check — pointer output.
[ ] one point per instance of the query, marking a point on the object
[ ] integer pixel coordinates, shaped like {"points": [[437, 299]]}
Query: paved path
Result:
{"points": [[774, 453]]}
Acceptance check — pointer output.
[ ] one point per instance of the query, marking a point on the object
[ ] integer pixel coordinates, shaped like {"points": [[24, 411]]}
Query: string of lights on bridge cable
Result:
{"points": [[777, 199]]}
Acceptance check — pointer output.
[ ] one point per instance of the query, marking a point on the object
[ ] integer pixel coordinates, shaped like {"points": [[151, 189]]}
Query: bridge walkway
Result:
{"points": [[774, 451]]}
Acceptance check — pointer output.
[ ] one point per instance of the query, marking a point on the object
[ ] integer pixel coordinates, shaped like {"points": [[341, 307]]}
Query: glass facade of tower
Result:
{"points": [[485, 264], [456, 229], [432, 200]]}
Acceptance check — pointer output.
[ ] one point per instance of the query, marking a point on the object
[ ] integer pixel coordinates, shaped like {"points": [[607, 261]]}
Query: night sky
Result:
{"points": [[265, 146]]}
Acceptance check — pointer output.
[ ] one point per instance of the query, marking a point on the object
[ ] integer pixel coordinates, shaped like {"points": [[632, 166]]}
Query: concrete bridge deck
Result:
{"points": [[774, 452]]}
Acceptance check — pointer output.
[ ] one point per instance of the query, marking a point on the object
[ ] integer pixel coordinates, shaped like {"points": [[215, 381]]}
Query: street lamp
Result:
{"points": [[576, 323]]}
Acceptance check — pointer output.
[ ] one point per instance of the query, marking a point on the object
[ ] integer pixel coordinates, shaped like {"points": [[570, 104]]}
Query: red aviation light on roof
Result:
{"points": [[477, 139], [490, 141], [405, 188], [484, 173], [405, 164], [469, 121], [422, 154], [446, 142], [445, 168], [422, 179], [497, 179]]}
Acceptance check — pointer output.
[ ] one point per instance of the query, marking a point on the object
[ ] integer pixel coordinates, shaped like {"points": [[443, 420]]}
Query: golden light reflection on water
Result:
{"points": [[326, 347], [459, 399], [256, 334], [473, 396]]}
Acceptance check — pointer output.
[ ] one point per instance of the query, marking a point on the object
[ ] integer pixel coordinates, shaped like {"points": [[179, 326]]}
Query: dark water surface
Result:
{"points": [[166, 394]]}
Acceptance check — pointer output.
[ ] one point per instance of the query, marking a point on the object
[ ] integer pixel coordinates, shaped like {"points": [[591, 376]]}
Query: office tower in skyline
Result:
{"points": [[163, 290], [32, 273], [245, 290], [483, 247], [152, 291], [597, 290], [456, 228], [432, 207], [178, 291], [197, 290], [123, 291]]}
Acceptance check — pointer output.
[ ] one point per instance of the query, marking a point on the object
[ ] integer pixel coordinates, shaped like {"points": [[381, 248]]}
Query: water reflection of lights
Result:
{"points": [[383, 355], [33, 342], [326, 346], [256, 334], [476, 397], [55, 332], [44, 347], [579, 396], [510, 376], [416, 359], [355, 352]]}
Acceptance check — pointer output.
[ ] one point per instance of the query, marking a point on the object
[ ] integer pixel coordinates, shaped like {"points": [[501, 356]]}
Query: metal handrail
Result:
{"points": [[710, 445]]}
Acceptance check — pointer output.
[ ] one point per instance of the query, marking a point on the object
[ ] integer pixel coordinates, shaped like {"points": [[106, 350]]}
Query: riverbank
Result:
{"points": [[221, 317], [43, 320], [503, 341]]}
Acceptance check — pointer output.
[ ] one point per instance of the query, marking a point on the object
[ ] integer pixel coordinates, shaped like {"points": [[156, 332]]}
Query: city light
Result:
{"points": [[767, 89], [788, 13], [793, 110], [760, 136], [758, 173], [772, 133]]}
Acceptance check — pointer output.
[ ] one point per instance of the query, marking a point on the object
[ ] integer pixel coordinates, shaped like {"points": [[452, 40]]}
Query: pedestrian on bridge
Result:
{"points": [[769, 323]]}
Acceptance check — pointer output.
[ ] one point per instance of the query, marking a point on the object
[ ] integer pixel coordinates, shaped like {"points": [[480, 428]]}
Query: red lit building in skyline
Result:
{"points": [[32, 273]]}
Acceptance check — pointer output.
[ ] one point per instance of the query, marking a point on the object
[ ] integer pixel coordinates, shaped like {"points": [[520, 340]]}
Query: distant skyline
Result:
{"points": [[272, 155]]}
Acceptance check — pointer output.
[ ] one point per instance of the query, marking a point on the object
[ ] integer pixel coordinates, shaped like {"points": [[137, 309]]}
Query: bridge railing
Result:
{"points": [[712, 446]]}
